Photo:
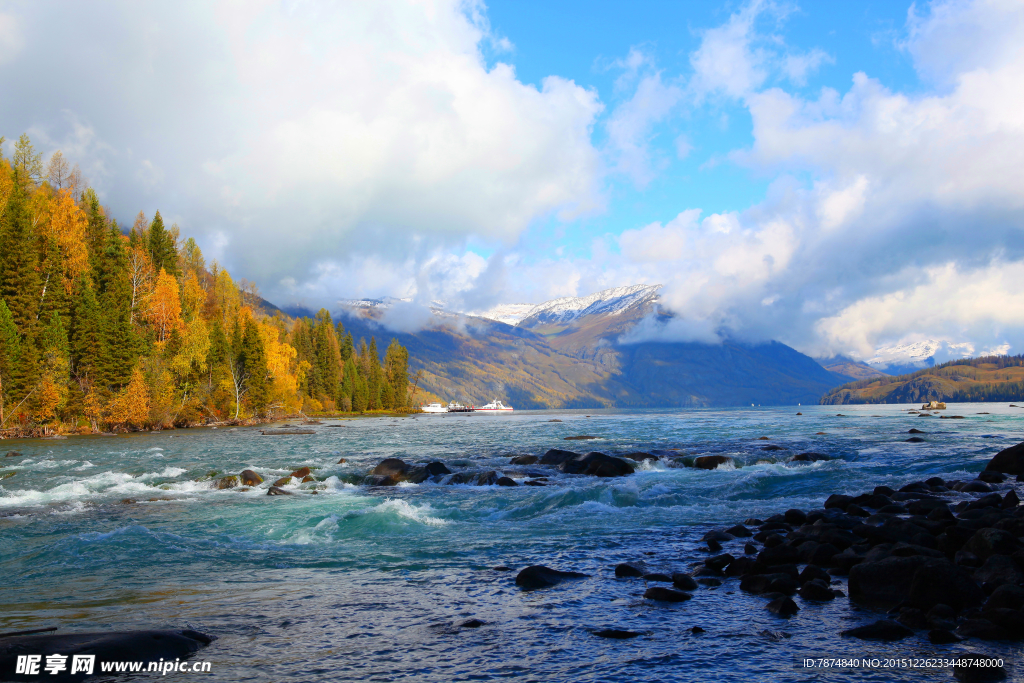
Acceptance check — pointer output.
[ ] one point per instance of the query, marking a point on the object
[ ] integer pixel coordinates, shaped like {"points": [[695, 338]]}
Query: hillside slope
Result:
{"points": [[989, 378]]}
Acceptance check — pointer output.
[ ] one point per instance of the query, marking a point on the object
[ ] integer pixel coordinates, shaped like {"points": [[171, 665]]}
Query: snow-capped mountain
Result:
{"points": [[910, 356], [612, 301]]}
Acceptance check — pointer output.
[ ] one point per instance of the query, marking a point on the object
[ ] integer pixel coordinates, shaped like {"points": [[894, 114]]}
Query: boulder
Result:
{"points": [[809, 457], [710, 462], [987, 542], [557, 456], [486, 479], [816, 589], [885, 629], [436, 468], [301, 472], [625, 570], [739, 531], [524, 460], [1006, 596], [942, 582], [250, 478], [394, 468], [999, 570], [639, 456], [982, 629], [617, 634], [666, 594], [283, 481], [13, 454], [784, 607], [1008, 461], [597, 464], [277, 491], [886, 581], [228, 482], [684, 582], [506, 481], [838, 500], [539, 576]]}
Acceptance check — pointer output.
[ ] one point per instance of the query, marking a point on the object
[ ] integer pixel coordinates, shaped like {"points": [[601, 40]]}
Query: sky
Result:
{"points": [[837, 176]]}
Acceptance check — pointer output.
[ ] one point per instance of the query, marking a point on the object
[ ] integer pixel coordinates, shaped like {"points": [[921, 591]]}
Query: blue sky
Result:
{"points": [[838, 176]]}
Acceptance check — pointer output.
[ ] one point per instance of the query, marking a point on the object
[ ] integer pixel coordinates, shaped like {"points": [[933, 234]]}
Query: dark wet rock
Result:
{"points": [[816, 589], [942, 582], [696, 629], [710, 582], [856, 510], [719, 562], [710, 462], [708, 571], [838, 500], [639, 456], [992, 500], [882, 490], [277, 491], [666, 594], [914, 618], [524, 460], [13, 454], [772, 447], [988, 542], [597, 464], [812, 572], [506, 481], [472, 623], [664, 578], [975, 486], [1011, 501], [773, 540], [939, 636], [581, 437], [301, 472], [434, 469], [539, 576], [885, 581], [716, 535], [533, 482], [283, 481], [1008, 461], [379, 480], [740, 566], [784, 607], [809, 457], [914, 439], [250, 478], [144, 646], [486, 478], [342, 461], [228, 482], [999, 570], [982, 629], [393, 468], [625, 569], [992, 477], [617, 634], [713, 545], [684, 582], [914, 430], [884, 629], [739, 531], [795, 516], [769, 583], [780, 554], [749, 548], [557, 456], [1007, 596]]}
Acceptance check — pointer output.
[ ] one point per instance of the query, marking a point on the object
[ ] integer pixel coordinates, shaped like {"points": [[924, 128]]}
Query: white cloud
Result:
{"points": [[310, 132]]}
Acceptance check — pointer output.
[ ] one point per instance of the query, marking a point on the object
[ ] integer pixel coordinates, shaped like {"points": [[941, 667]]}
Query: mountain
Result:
{"points": [[566, 353], [989, 378], [849, 368], [912, 356]]}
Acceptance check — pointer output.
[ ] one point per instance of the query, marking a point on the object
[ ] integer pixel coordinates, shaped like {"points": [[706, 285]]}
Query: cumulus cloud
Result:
{"points": [[306, 133]]}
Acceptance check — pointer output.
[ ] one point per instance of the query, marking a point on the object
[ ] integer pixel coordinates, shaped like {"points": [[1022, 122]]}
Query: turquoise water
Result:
{"points": [[356, 583]]}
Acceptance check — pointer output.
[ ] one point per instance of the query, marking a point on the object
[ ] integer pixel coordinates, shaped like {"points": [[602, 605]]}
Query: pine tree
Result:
{"points": [[97, 229], [162, 249], [10, 352], [26, 161], [254, 361], [88, 341], [19, 277]]}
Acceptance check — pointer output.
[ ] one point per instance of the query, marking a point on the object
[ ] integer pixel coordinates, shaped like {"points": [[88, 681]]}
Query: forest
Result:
{"points": [[105, 329]]}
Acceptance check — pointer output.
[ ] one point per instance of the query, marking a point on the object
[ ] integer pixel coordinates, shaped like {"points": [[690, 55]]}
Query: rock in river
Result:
{"points": [[597, 464], [885, 629], [1008, 461], [710, 462], [666, 594], [539, 576], [250, 478]]}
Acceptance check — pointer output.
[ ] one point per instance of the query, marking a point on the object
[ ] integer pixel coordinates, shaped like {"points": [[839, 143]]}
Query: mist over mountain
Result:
{"points": [[570, 352]]}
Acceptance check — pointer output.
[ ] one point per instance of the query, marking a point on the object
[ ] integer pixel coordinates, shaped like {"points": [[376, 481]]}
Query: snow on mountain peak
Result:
{"points": [[565, 309]]}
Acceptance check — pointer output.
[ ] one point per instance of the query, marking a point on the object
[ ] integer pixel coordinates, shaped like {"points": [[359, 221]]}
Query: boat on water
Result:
{"points": [[455, 407], [495, 406], [434, 408]]}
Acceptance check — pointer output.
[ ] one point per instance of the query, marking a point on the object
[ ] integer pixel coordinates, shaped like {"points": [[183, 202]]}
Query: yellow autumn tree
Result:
{"points": [[284, 388], [67, 226], [192, 297], [164, 309], [131, 405], [195, 346]]}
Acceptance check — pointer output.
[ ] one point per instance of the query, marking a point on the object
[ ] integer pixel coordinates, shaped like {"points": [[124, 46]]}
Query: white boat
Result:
{"points": [[494, 406], [456, 407], [434, 408]]}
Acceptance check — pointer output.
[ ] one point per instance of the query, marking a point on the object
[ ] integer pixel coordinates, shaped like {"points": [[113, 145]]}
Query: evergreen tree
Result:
{"points": [[88, 341], [10, 352], [162, 249], [253, 359], [19, 276], [97, 229], [396, 372], [325, 351]]}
